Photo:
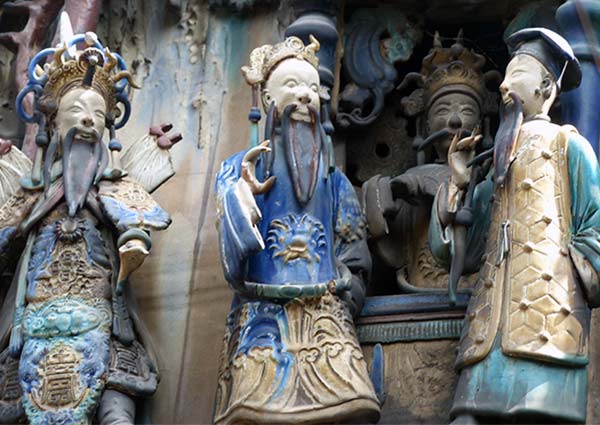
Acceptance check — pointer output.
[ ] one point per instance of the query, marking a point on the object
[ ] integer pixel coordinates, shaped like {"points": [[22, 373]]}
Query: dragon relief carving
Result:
{"points": [[293, 238]]}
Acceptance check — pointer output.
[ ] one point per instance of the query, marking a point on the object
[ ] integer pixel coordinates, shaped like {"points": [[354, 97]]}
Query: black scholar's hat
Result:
{"points": [[552, 50]]}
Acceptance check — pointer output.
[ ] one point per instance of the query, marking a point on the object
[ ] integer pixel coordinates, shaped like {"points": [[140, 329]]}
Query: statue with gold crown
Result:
{"points": [[535, 226], [293, 249], [450, 98], [77, 220]]}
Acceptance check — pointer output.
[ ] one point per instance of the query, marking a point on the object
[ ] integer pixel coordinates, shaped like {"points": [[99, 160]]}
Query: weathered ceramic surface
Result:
{"points": [[182, 294], [196, 84], [419, 381]]}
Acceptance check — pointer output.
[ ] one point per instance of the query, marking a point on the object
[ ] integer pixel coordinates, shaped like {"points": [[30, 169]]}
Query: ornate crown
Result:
{"points": [[445, 68], [263, 59], [449, 70], [95, 67]]}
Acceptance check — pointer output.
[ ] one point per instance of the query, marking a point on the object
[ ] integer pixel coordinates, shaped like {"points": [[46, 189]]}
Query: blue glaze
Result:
{"points": [[80, 38], [30, 87], [34, 62], [125, 217], [41, 256], [580, 106], [500, 384], [92, 345], [333, 207], [411, 303], [265, 326], [378, 372]]}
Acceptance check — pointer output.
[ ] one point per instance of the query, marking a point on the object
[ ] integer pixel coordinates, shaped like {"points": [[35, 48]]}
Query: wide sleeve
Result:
{"points": [[239, 238], [351, 248], [584, 185], [129, 206]]}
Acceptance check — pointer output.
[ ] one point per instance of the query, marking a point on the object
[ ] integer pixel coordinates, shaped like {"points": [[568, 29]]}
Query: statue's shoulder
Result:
{"points": [[15, 201], [127, 204]]}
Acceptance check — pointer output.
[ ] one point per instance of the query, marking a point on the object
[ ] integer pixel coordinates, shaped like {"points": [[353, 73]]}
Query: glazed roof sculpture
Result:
{"points": [[550, 49], [263, 59], [93, 66], [449, 70]]}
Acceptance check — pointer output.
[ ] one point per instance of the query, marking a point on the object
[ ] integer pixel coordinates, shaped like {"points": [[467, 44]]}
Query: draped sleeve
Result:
{"points": [[239, 238], [584, 185]]}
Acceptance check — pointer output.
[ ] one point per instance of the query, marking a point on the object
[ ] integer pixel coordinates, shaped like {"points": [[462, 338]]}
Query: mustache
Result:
{"points": [[441, 135]]}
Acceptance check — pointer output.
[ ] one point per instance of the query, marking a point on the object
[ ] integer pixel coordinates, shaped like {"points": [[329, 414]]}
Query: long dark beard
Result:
{"points": [[83, 164], [303, 143], [511, 119]]}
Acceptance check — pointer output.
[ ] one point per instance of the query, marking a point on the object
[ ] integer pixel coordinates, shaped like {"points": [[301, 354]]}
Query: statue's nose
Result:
{"points": [[455, 122], [87, 122], [303, 97]]}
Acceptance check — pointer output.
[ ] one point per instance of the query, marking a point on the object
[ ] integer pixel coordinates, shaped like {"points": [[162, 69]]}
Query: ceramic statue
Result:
{"points": [[77, 221], [449, 97], [524, 349], [293, 249]]}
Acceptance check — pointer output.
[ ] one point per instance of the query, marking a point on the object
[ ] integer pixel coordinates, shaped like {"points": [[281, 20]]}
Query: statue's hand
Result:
{"points": [[249, 169], [131, 254], [248, 186], [459, 154], [163, 140]]}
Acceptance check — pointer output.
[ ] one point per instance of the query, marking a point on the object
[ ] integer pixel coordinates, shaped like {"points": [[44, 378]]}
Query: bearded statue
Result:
{"points": [[450, 99], [293, 249], [77, 222], [535, 230]]}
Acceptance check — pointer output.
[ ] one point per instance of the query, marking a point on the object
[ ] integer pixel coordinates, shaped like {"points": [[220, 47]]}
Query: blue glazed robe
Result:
{"points": [[75, 330], [304, 345], [549, 386]]}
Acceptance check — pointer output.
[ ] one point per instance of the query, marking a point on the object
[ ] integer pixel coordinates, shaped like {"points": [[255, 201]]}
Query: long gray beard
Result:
{"points": [[511, 119], [83, 164], [303, 143]]}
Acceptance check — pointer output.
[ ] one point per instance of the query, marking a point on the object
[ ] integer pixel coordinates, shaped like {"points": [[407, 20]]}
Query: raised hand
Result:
{"points": [[459, 154], [249, 169]]}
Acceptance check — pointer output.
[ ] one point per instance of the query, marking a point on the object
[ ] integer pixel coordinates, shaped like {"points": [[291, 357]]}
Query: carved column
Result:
{"points": [[579, 23]]}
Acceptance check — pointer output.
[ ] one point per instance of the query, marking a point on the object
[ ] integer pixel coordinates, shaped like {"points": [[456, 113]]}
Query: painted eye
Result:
{"points": [[100, 114], [75, 109], [291, 84], [468, 111], [315, 88], [443, 111]]}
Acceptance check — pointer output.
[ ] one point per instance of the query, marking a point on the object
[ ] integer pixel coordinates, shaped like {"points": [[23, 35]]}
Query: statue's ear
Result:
{"points": [[266, 97], [547, 87]]}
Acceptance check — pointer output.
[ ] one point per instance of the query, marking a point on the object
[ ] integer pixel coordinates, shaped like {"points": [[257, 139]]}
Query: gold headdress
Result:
{"points": [[68, 67], [445, 68], [449, 70], [95, 67], [64, 75], [263, 59]]}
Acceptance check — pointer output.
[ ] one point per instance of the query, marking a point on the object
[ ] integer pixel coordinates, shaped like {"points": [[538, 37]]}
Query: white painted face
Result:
{"points": [[84, 109], [531, 81], [293, 82]]}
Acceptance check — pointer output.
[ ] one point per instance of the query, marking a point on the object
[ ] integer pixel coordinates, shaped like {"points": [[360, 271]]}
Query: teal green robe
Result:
{"points": [[500, 385]]}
